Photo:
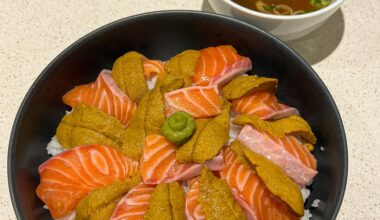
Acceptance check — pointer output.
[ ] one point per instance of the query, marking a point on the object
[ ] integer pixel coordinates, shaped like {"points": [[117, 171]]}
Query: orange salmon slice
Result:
{"points": [[250, 192], [264, 104], [288, 153], [69, 176], [199, 101], [105, 95], [192, 208], [134, 204], [218, 65], [159, 164], [153, 67]]}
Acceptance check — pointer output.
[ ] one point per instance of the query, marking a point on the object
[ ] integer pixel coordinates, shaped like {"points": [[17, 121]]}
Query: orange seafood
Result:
{"points": [[199, 101], [218, 65], [153, 67], [105, 95], [288, 153], [263, 104], [69, 176], [159, 163], [250, 192], [193, 209], [134, 204]]}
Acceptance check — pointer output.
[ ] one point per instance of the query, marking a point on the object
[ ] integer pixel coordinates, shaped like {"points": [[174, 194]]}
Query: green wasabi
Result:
{"points": [[179, 127]]}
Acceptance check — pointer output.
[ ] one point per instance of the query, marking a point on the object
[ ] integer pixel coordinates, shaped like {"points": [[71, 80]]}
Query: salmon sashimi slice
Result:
{"points": [[134, 204], [264, 104], [295, 147], [105, 95], [218, 65], [250, 192], [192, 208], [288, 153], [153, 67], [69, 176], [159, 164], [199, 101], [216, 163]]}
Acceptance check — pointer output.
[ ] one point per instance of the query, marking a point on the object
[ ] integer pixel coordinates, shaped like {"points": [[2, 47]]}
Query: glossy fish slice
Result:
{"points": [[105, 95], [69, 176], [153, 67], [199, 101], [218, 65], [288, 153], [193, 208], [264, 104], [159, 164], [296, 148], [134, 204], [250, 192]]}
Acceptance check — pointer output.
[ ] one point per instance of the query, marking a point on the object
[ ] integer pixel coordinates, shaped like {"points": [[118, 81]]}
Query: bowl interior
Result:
{"points": [[161, 35], [334, 4]]}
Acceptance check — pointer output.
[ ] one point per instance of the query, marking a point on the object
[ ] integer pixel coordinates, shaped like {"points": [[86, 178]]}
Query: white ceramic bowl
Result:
{"points": [[286, 27]]}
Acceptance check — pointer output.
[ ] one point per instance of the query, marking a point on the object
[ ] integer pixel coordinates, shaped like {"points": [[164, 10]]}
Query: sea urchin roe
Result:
{"points": [[168, 83], [133, 140], [184, 154], [177, 200], [276, 180], [100, 203], [310, 146], [209, 137], [216, 198], [128, 73], [167, 202], [155, 112], [179, 127], [238, 148], [87, 125], [147, 119], [183, 65], [293, 124], [245, 85]]}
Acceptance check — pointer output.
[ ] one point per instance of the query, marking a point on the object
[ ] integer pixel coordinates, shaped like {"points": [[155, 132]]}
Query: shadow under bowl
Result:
{"points": [[160, 35]]}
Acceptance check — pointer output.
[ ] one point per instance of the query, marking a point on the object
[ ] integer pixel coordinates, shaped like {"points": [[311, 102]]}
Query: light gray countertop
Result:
{"points": [[345, 52]]}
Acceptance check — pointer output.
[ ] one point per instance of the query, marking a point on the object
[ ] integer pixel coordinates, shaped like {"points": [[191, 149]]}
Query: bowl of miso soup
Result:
{"points": [[286, 19]]}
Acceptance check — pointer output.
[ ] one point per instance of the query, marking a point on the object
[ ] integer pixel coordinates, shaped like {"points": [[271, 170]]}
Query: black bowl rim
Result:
{"points": [[21, 111]]}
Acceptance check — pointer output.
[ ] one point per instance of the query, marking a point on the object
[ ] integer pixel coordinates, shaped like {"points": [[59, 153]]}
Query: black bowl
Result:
{"points": [[160, 35]]}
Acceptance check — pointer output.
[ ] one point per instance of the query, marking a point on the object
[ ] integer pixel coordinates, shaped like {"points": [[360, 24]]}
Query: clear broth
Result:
{"points": [[296, 5]]}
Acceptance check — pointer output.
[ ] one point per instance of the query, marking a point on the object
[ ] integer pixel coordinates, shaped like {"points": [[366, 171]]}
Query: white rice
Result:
{"points": [[322, 148], [70, 216], [305, 193], [234, 132], [151, 82], [234, 129], [53, 147], [307, 215], [315, 203]]}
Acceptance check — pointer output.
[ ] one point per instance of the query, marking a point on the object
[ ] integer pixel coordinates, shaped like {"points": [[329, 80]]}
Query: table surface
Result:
{"points": [[344, 52]]}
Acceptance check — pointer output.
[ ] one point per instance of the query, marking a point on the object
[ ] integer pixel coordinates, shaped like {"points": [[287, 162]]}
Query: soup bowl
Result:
{"points": [[285, 27], [160, 35]]}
